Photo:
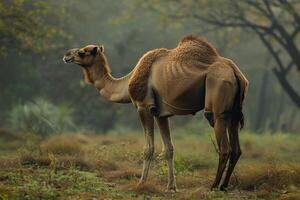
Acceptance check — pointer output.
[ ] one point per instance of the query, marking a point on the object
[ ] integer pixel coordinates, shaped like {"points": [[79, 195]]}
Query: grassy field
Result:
{"points": [[84, 166]]}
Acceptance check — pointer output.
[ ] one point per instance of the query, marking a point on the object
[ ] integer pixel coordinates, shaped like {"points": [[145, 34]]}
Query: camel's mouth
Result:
{"points": [[68, 59], [69, 56]]}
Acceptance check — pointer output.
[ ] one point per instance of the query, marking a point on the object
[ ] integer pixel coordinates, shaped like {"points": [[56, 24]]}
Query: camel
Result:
{"points": [[179, 81]]}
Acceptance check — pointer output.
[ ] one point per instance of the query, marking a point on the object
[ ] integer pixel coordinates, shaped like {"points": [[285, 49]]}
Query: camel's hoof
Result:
{"points": [[140, 184], [223, 188], [213, 188], [171, 190]]}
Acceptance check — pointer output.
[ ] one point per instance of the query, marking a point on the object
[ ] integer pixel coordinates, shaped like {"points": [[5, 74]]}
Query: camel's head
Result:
{"points": [[91, 58]]}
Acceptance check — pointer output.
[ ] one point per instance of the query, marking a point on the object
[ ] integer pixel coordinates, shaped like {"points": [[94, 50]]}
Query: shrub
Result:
{"points": [[42, 117]]}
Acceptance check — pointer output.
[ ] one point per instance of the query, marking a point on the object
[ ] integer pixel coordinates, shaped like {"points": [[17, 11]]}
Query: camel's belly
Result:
{"points": [[180, 90]]}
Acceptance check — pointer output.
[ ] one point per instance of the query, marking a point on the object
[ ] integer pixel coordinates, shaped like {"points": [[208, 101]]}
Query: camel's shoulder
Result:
{"points": [[139, 80]]}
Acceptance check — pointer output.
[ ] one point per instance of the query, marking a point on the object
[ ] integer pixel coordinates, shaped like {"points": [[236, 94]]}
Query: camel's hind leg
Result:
{"points": [[235, 154], [148, 125], [220, 92], [163, 125], [224, 149]]}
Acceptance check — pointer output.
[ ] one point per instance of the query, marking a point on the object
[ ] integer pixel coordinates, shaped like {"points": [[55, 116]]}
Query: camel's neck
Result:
{"points": [[113, 89]]}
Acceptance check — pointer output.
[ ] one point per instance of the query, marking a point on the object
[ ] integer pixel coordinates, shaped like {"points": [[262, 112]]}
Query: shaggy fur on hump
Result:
{"points": [[138, 83], [195, 48], [190, 47]]}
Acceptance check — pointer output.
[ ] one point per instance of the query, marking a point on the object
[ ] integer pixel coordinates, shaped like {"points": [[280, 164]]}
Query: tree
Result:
{"points": [[29, 32], [275, 22], [29, 26]]}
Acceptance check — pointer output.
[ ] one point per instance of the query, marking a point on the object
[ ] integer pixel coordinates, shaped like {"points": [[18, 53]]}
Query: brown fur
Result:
{"points": [[138, 83], [189, 48], [195, 47], [86, 76], [103, 63]]}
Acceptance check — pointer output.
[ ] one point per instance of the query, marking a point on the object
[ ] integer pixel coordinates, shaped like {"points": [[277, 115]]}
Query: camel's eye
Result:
{"points": [[81, 53]]}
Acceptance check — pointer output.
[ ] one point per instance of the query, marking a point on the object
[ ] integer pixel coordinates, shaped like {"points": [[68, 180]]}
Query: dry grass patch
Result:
{"points": [[194, 181], [269, 177], [8, 163], [125, 173], [106, 165], [148, 188], [65, 144], [60, 162]]}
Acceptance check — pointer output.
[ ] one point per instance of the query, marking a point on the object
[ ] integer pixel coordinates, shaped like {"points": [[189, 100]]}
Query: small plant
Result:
{"points": [[42, 117]]}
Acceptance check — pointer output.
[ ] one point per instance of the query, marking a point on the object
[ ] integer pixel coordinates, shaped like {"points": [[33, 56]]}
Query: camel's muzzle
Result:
{"points": [[70, 55]]}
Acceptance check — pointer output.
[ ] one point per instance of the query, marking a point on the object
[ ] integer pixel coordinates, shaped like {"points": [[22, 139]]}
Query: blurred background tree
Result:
{"points": [[34, 35], [28, 34]]}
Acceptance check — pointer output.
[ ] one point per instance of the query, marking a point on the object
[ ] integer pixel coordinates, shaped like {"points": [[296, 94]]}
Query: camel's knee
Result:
{"points": [[236, 154], [148, 153], [225, 153], [224, 156]]}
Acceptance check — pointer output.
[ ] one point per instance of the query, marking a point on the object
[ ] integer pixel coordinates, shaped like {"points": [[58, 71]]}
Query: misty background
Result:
{"points": [[39, 93]]}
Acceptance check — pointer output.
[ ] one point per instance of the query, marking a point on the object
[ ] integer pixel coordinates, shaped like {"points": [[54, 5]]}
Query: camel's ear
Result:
{"points": [[101, 48]]}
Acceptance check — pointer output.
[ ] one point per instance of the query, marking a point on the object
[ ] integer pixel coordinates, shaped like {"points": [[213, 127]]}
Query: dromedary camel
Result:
{"points": [[179, 81]]}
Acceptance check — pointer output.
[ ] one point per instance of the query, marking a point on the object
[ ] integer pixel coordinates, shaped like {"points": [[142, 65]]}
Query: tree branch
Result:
{"points": [[271, 50], [290, 9], [288, 67]]}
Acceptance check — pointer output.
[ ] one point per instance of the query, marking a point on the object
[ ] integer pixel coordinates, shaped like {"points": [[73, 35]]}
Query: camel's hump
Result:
{"points": [[199, 41], [192, 47]]}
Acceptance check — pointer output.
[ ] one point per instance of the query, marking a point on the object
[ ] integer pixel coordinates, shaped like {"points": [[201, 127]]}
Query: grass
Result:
{"points": [[83, 166]]}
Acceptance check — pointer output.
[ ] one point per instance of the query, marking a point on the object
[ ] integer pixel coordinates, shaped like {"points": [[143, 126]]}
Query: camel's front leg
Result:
{"points": [[148, 125], [163, 124]]}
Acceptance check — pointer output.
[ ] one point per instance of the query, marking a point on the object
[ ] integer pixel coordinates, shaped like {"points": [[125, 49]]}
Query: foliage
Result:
{"points": [[29, 25], [41, 117]]}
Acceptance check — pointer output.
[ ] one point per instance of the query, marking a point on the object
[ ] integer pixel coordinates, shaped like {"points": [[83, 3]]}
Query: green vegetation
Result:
{"points": [[77, 166], [41, 117]]}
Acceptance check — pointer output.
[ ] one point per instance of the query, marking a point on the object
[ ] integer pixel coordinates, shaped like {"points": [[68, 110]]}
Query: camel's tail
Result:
{"points": [[237, 111]]}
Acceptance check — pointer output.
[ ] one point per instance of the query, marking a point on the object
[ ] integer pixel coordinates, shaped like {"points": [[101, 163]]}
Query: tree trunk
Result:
{"points": [[294, 53], [262, 103], [287, 87]]}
